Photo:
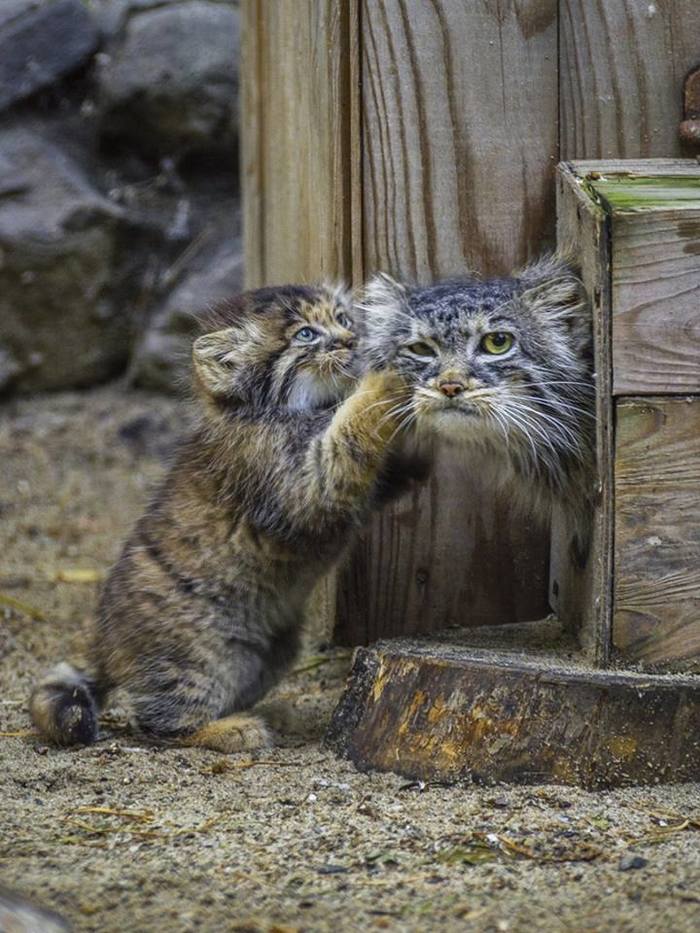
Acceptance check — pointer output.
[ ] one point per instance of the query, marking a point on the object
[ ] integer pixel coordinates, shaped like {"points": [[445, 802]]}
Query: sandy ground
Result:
{"points": [[121, 837]]}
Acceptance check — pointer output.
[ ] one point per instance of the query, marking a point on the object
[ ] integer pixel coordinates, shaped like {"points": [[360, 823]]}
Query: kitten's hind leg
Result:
{"points": [[192, 719], [239, 732]]}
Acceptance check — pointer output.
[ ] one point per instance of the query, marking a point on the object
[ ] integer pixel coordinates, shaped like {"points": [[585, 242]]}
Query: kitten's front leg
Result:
{"points": [[348, 458]]}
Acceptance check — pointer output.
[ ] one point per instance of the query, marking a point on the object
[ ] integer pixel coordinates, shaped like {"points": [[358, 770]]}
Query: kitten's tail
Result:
{"points": [[64, 706]]}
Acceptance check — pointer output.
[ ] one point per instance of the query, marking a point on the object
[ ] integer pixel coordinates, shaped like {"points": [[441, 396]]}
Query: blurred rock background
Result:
{"points": [[119, 196]]}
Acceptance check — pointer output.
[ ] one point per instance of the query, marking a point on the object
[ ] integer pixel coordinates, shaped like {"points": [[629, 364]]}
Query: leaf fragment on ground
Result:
{"points": [[76, 575], [25, 608]]}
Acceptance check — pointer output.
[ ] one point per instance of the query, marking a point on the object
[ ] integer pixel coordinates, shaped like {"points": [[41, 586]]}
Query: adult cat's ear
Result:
{"points": [[213, 359], [382, 294], [552, 289], [552, 286]]}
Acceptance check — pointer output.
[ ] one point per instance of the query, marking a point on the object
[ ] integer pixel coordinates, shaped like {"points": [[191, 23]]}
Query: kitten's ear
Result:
{"points": [[213, 357], [552, 286]]}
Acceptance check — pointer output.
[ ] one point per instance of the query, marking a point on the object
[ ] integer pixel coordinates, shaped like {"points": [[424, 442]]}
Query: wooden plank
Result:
{"points": [[445, 555], [458, 158], [656, 301], [299, 141], [300, 159], [621, 75], [458, 153], [431, 710], [634, 167], [581, 568], [657, 532]]}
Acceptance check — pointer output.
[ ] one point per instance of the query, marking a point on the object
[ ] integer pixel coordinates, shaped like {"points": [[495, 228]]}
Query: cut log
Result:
{"points": [[470, 706]]}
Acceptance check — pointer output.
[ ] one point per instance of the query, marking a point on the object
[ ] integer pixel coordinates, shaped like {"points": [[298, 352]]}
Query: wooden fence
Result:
{"points": [[420, 137]]}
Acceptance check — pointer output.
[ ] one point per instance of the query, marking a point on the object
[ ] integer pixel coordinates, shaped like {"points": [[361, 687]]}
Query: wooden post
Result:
{"points": [[540, 702]]}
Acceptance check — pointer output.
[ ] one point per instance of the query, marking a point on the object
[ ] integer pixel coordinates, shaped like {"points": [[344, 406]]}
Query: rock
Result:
{"points": [[169, 84], [10, 368], [161, 359], [40, 42], [64, 279], [629, 862], [19, 913]]}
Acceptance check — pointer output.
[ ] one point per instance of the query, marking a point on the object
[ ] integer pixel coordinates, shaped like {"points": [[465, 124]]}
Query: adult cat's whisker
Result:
{"points": [[403, 424], [536, 428], [397, 411], [390, 396], [558, 405]]}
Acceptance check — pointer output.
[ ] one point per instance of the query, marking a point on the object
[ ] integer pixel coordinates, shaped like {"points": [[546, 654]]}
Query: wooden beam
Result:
{"points": [[581, 570], [300, 158], [457, 168], [300, 140]]}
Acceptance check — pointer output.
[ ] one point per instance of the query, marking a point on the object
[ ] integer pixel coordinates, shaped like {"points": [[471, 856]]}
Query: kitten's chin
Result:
{"points": [[310, 391]]}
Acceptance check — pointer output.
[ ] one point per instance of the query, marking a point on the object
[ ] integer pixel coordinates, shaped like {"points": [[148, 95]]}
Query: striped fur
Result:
{"points": [[526, 417], [202, 612]]}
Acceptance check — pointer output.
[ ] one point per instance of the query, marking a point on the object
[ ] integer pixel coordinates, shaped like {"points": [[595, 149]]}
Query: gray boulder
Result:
{"points": [[162, 356], [169, 83], [40, 42], [66, 280]]}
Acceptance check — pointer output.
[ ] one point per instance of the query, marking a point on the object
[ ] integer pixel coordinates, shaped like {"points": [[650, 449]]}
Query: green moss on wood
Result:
{"points": [[622, 192]]}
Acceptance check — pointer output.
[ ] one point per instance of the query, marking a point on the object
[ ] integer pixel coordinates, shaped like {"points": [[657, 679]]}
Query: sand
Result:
{"points": [[122, 837]]}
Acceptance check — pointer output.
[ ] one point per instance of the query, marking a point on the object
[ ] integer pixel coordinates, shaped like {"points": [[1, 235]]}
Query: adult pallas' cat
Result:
{"points": [[501, 367], [202, 613]]}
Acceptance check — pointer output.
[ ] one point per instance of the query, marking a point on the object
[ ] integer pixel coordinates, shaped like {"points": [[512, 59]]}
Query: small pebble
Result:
{"points": [[629, 861]]}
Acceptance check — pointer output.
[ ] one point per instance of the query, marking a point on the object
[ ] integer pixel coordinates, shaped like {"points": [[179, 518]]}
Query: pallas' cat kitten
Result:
{"points": [[503, 367], [202, 612]]}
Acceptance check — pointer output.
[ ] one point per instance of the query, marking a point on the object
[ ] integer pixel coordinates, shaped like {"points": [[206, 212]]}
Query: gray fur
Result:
{"points": [[528, 412]]}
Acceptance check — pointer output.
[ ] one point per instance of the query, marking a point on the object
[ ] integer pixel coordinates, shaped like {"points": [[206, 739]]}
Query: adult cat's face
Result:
{"points": [[289, 347], [497, 360]]}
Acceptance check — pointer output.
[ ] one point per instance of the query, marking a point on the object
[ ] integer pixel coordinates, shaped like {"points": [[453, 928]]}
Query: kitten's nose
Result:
{"points": [[450, 389], [342, 343]]}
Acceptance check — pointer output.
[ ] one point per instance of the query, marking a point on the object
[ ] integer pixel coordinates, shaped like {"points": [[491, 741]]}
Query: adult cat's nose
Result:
{"points": [[450, 389]]}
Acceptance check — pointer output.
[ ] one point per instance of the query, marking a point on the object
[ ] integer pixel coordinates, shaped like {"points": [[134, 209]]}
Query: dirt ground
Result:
{"points": [[119, 837]]}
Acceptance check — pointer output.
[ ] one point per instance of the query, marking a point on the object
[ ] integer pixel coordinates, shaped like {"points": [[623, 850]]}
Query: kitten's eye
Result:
{"points": [[421, 349], [344, 320], [497, 343], [306, 335]]}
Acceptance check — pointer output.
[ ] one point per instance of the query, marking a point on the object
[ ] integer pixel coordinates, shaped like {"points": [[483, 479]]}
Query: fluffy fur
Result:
{"points": [[528, 411], [203, 610]]}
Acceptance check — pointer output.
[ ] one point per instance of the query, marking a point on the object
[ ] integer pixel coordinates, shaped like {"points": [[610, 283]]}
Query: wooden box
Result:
{"points": [[607, 693], [636, 228]]}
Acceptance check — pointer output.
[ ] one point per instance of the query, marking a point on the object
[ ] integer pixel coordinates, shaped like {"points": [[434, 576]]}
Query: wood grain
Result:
{"points": [[459, 112], [656, 301], [433, 712], [300, 159], [657, 532], [458, 153], [581, 576], [622, 68], [299, 139]]}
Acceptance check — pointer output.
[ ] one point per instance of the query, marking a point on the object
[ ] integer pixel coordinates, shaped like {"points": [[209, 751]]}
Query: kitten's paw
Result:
{"points": [[384, 383], [237, 733]]}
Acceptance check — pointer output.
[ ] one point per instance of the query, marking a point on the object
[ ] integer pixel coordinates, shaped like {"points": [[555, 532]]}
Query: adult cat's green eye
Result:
{"points": [[421, 349], [497, 343], [306, 335]]}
